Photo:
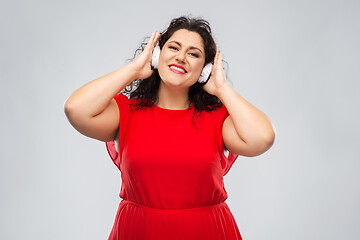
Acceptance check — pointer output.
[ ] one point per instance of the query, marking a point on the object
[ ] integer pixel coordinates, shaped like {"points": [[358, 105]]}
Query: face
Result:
{"points": [[182, 58]]}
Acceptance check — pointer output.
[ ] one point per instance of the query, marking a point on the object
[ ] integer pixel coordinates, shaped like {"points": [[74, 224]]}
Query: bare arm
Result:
{"points": [[246, 131], [91, 109]]}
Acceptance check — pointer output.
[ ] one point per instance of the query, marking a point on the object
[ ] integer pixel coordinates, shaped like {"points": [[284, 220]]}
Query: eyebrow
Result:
{"points": [[191, 47]]}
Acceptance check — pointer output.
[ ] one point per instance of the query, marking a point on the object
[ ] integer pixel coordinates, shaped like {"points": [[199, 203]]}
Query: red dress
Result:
{"points": [[172, 175]]}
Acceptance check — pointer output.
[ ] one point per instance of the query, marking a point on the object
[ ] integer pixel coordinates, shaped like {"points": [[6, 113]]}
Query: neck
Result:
{"points": [[176, 99]]}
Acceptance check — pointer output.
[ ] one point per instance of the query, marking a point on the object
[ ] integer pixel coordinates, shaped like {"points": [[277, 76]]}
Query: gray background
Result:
{"points": [[297, 61]]}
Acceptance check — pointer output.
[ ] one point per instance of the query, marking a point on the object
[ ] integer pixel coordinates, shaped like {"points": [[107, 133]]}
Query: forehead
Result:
{"points": [[187, 38]]}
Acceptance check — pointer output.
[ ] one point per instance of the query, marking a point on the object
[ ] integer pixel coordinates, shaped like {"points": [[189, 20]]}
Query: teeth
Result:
{"points": [[178, 69]]}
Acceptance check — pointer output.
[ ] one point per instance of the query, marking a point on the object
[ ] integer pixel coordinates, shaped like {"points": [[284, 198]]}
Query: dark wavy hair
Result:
{"points": [[147, 90]]}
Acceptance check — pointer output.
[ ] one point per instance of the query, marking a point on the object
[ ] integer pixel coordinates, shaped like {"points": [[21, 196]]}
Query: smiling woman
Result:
{"points": [[181, 61], [168, 137], [186, 45]]}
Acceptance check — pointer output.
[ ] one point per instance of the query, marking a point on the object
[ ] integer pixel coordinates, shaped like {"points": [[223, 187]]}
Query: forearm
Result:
{"points": [[251, 125], [93, 97]]}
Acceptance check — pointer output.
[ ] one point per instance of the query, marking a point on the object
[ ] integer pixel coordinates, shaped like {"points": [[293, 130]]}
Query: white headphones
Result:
{"points": [[205, 74]]}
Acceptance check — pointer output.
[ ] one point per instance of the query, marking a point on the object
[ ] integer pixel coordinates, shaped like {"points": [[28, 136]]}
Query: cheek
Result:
{"points": [[199, 67], [163, 59], [162, 66]]}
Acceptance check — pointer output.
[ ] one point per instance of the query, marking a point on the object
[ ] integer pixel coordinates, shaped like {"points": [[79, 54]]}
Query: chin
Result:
{"points": [[172, 83], [174, 80]]}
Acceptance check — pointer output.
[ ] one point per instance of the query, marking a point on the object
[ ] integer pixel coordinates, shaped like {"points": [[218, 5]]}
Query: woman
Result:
{"points": [[171, 135]]}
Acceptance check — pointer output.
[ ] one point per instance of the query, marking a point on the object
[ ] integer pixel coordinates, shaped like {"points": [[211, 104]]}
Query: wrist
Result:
{"points": [[223, 91], [131, 71]]}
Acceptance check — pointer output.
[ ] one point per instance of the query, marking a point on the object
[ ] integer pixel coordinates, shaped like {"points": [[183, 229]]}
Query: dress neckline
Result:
{"points": [[173, 110]]}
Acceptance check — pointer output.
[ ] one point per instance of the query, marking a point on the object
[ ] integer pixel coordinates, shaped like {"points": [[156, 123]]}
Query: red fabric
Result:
{"points": [[172, 175]]}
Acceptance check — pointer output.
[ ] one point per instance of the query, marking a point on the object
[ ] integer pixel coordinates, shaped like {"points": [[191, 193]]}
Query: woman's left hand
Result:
{"points": [[217, 78]]}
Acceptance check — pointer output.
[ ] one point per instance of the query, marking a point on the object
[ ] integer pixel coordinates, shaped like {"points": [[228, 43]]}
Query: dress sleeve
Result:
{"points": [[227, 160], [114, 147]]}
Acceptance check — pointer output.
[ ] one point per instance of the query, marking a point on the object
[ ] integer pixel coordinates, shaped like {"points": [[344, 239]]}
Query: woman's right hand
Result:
{"points": [[142, 63]]}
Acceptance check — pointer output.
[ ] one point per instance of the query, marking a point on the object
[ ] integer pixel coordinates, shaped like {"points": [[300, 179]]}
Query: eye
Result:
{"points": [[194, 55], [172, 47]]}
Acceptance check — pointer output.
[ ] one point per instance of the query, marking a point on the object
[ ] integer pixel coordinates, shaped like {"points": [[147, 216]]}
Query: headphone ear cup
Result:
{"points": [[155, 57], [205, 74]]}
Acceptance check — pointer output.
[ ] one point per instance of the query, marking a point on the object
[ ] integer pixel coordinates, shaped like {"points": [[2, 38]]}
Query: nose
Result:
{"points": [[181, 57]]}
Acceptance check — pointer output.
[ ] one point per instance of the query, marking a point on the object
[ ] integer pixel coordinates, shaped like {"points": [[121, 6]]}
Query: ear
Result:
{"points": [[155, 57], [205, 74]]}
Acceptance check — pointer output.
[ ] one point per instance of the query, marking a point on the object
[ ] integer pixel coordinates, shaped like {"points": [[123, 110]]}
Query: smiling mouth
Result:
{"points": [[177, 69]]}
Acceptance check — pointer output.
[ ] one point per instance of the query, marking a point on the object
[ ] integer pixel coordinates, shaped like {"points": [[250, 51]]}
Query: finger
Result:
{"points": [[220, 59], [154, 40], [156, 37], [216, 60], [149, 43], [220, 65], [213, 70], [215, 54]]}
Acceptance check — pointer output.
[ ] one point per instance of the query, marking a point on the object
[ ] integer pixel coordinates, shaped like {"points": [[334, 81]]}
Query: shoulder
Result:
{"points": [[124, 101], [121, 99], [215, 117], [220, 113]]}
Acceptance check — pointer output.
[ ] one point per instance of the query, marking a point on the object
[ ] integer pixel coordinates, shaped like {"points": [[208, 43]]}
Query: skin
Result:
{"points": [[184, 48], [247, 131]]}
